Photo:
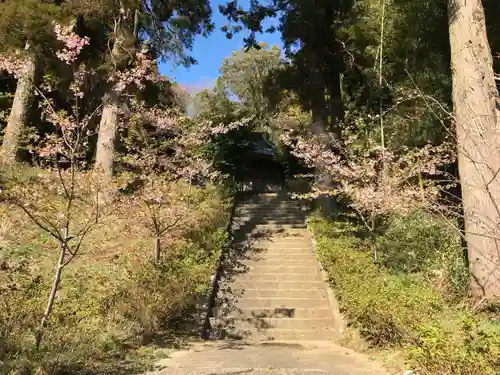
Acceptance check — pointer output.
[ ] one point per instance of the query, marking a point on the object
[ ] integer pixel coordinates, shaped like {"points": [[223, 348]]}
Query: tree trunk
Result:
{"points": [[336, 104], [157, 253], [125, 42], [19, 112], [53, 291], [475, 100], [319, 128], [107, 135]]}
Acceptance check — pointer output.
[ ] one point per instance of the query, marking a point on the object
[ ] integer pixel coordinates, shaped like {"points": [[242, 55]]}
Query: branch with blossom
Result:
{"points": [[72, 43], [376, 181], [162, 146], [165, 139], [143, 71], [13, 63], [159, 209]]}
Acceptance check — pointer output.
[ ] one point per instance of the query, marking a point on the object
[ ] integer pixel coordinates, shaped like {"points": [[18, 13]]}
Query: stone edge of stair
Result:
{"points": [[332, 299]]}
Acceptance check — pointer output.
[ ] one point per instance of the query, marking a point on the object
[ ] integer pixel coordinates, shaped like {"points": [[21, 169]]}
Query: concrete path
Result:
{"points": [[238, 358]]}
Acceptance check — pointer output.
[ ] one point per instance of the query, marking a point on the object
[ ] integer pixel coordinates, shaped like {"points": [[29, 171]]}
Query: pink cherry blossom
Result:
{"points": [[376, 181], [143, 71], [73, 43]]}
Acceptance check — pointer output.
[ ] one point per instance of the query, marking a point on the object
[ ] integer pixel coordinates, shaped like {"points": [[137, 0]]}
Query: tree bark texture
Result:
{"points": [[475, 101], [319, 128], [18, 117], [108, 127], [336, 105], [124, 45], [157, 253], [53, 291]]}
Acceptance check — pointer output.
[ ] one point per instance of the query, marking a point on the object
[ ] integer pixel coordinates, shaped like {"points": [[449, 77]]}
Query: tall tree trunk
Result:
{"points": [[126, 37], [336, 105], [107, 135], [475, 100], [319, 127], [19, 112]]}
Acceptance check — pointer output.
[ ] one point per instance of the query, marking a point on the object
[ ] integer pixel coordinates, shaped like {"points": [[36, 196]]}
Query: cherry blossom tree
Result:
{"points": [[163, 155], [62, 200], [375, 181]]}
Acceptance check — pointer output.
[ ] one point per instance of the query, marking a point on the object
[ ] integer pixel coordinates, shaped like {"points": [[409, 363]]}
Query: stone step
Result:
{"points": [[279, 284], [275, 277], [287, 236], [268, 220], [281, 224], [271, 222], [263, 211], [275, 261], [284, 334], [267, 239], [298, 313], [290, 236], [289, 303], [299, 244], [282, 254], [284, 293], [295, 243], [256, 203], [267, 200], [268, 227], [280, 294], [270, 236], [252, 206], [279, 253], [270, 213], [272, 197], [268, 195], [285, 323], [264, 269]]}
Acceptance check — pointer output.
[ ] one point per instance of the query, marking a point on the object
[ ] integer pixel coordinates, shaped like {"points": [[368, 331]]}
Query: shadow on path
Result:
{"points": [[246, 235]]}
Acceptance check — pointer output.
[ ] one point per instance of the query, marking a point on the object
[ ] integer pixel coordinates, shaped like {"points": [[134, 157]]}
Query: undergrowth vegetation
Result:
{"points": [[111, 293], [414, 298]]}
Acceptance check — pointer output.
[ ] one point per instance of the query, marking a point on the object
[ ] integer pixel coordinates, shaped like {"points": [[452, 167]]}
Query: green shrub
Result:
{"points": [[460, 343], [112, 299], [422, 243], [384, 307], [405, 309]]}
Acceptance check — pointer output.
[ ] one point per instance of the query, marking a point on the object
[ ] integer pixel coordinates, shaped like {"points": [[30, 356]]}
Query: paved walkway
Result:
{"points": [[237, 358]]}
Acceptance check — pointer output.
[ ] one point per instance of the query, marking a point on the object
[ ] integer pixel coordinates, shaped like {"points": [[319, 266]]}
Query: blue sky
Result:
{"points": [[209, 52]]}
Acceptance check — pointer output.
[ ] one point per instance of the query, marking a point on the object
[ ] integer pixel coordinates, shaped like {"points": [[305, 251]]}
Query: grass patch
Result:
{"points": [[115, 309], [408, 306]]}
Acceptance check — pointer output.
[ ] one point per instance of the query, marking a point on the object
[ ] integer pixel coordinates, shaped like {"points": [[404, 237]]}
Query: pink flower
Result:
{"points": [[73, 43], [376, 181], [143, 71], [13, 63]]}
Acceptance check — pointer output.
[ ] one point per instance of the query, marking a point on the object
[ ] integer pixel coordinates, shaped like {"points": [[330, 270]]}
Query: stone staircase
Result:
{"points": [[273, 307], [272, 288]]}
